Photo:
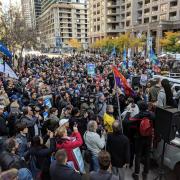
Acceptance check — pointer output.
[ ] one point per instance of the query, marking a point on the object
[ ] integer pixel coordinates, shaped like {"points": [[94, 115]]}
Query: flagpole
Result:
{"points": [[119, 107]]}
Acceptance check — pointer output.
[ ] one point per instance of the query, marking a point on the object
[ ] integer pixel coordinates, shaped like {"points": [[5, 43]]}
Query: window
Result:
{"points": [[163, 17], [164, 8]]}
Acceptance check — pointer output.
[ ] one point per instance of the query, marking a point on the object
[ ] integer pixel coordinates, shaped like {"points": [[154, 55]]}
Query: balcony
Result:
{"points": [[112, 4], [173, 18]]}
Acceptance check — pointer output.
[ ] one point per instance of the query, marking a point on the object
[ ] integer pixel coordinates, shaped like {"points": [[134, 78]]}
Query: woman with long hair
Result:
{"points": [[165, 96]]}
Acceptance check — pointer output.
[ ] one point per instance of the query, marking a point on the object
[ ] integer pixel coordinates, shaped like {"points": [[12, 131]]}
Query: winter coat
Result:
{"points": [[60, 172], [3, 127], [22, 141], [161, 100], [9, 160], [118, 147], [69, 144], [103, 175]]}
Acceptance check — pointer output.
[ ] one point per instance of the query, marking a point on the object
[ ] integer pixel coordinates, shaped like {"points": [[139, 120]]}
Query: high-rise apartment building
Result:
{"points": [[31, 10], [62, 21], [36, 11], [27, 13], [104, 18], [138, 16]]}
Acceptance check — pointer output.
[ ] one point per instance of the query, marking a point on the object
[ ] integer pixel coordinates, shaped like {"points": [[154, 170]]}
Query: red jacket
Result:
{"points": [[69, 144]]}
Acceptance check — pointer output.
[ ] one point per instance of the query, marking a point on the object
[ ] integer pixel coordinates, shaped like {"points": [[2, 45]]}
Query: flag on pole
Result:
{"points": [[113, 53], [121, 82], [153, 57], [154, 60], [124, 58]]}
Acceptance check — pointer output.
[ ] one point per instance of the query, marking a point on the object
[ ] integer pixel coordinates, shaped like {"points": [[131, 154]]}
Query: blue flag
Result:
{"points": [[124, 58], [153, 58], [113, 53], [5, 50]]}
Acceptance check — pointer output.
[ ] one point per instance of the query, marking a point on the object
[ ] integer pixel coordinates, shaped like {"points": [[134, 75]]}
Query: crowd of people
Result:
{"points": [[56, 109]]}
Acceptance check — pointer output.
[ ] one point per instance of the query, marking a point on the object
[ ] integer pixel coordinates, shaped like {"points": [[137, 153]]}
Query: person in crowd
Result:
{"points": [[154, 91], [60, 170], [40, 156], [29, 120], [104, 160], [109, 118], [53, 114], [176, 95], [3, 123], [165, 96], [21, 138], [142, 143], [119, 148], [100, 105], [11, 174], [94, 143], [69, 143], [8, 158]]}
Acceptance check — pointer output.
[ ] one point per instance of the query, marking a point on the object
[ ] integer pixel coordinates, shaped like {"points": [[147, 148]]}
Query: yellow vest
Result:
{"points": [[108, 121]]}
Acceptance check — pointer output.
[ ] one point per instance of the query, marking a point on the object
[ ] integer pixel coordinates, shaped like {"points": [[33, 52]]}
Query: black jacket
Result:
{"points": [[63, 172], [42, 155], [118, 147], [9, 160], [131, 127], [3, 127]]}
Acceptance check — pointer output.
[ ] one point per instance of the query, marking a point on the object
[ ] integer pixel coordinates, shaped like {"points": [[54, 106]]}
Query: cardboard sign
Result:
{"points": [[143, 80]]}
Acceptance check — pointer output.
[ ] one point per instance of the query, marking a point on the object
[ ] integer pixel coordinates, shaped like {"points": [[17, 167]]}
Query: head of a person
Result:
{"points": [[116, 126], [61, 132], [64, 123], [110, 109], [27, 111], [11, 174], [104, 160], [167, 88], [61, 156], [11, 145], [21, 127], [92, 126], [53, 111], [34, 95], [143, 106], [37, 141], [75, 111], [101, 98]]}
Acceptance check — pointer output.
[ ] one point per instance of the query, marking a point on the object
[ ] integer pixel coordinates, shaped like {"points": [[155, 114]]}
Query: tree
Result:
{"points": [[15, 33], [74, 43], [171, 42], [123, 41]]}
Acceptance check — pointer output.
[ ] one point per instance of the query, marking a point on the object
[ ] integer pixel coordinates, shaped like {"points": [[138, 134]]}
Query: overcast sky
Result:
{"points": [[6, 3]]}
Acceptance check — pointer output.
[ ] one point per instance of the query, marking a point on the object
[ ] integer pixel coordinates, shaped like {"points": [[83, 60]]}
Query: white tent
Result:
{"points": [[8, 71]]}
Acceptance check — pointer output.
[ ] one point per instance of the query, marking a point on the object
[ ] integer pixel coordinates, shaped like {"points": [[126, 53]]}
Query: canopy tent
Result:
{"points": [[4, 68], [5, 51]]}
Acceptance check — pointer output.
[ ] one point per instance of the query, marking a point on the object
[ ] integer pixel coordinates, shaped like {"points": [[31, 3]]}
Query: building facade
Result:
{"points": [[35, 11], [152, 17], [26, 7], [63, 21]]}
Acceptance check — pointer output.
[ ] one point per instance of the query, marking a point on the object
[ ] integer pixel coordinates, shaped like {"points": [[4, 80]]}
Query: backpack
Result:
{"points": [[146, 126]]}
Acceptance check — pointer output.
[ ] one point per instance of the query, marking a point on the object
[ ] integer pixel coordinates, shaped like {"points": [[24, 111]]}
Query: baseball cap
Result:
{"points": [[63, 121]]}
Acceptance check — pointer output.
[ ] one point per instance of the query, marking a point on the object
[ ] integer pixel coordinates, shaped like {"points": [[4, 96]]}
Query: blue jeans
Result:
{"points": [[94, 164]]}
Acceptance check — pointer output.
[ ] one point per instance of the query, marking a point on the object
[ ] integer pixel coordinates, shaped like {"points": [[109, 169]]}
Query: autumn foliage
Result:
{"points": [[171, 42]]}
